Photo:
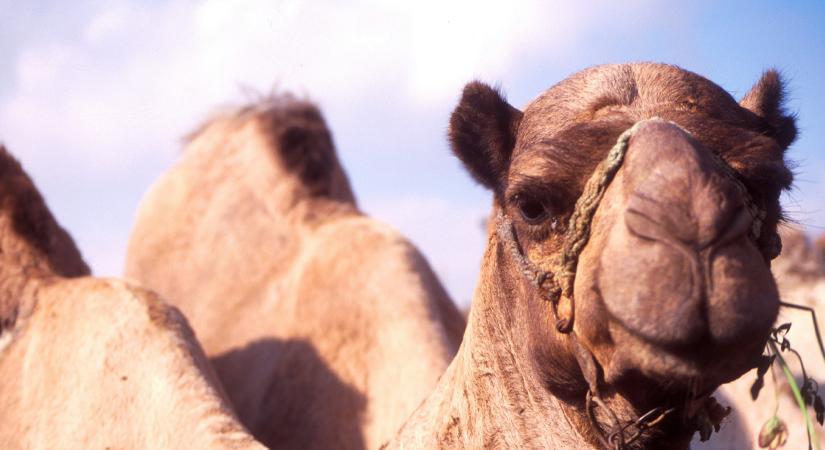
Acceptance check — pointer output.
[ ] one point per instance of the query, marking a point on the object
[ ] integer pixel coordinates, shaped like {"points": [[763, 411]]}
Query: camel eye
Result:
{"points": [[532, 210]]}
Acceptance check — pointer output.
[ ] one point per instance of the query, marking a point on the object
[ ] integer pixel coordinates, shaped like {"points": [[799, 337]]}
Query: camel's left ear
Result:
{"points": [[483, 133], [766, 99]]}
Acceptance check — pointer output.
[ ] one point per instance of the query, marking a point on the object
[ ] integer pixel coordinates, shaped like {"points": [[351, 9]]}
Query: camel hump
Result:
{"points": [[32, 243], [28, 226], [132, 374], [295, 132]]}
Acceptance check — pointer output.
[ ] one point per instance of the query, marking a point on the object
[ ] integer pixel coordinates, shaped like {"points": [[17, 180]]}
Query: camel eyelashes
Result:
{"points": [[532, 210]]}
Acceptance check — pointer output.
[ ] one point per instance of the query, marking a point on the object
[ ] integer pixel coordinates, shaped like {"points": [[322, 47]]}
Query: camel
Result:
{"points": [[800, 275], [627, 268], [93, 363], [326, 327]]}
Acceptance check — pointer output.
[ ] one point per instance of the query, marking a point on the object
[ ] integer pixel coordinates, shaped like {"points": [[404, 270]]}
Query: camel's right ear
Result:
{"points": [[483, 133], [766, 99]]}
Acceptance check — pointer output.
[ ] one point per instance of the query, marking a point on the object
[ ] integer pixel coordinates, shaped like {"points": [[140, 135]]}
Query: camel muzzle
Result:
{"points": [[688, 242]]}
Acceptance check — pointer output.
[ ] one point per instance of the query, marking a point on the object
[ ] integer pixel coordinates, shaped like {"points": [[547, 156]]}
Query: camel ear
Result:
{"points": [[766, 99], [483, 132]]}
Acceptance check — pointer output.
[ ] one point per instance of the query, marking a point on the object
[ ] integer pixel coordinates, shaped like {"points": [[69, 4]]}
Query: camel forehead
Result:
{"points": [[640, 90]]}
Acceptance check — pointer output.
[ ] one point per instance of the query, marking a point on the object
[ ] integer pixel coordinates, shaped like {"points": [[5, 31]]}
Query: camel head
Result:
{"points": [[670, 294]]}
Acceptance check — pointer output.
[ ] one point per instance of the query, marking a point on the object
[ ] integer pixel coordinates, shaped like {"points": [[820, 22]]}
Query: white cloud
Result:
{"points": [[106, 23], [110, 105], [139, 75], [42, 67], [453, 42]]}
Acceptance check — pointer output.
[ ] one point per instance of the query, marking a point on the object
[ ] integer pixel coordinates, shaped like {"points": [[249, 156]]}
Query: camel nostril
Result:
{"points": [[694, 221], [737, 226], [644, 226], [648, 218]]}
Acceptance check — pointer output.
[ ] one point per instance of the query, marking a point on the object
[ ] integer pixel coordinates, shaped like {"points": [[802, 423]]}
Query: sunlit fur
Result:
{"points": [[326, 327], [88, 362], [515, 382]]}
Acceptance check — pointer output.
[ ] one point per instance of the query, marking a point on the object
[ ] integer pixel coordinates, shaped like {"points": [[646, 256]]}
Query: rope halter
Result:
{"points": [[556, 287]]}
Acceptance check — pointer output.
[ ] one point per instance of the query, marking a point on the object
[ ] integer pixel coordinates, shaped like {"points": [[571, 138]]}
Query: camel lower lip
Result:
{"points": [[678, 384], [697, 367], [665, 366]]}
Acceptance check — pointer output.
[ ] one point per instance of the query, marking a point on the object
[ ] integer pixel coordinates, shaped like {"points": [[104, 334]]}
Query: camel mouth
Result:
{"points": [[698, 367], [684, 397], [681, 319], [679, 297], [701, 313]]}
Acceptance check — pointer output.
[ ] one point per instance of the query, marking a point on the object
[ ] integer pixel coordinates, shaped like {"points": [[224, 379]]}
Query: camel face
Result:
{"points": [[673, 285], [671, 274]]}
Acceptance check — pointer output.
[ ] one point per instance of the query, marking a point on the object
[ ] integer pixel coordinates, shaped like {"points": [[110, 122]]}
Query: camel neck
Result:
{"points": [[489, 397], [494, 393]]}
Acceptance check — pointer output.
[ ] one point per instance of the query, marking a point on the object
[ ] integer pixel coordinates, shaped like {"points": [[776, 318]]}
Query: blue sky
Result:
{"points": [[95, 97]]}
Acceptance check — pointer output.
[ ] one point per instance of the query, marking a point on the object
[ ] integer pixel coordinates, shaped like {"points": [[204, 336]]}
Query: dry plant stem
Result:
{"points": [[813, 442], [816, 324], [775, 391]]}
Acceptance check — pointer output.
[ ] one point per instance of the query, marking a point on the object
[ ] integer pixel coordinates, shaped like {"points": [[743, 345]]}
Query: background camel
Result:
{"points": [[672, 295], [92, 363], [800, 275], [326, 327]]}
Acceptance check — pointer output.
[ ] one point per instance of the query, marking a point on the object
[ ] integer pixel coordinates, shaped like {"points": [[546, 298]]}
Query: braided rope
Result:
{"points": [[756, 212], [542, 280], [773, 247], [578, 229], [557, 286]]}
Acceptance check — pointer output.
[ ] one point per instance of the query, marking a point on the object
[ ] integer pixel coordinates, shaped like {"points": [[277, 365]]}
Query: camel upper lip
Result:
{"points": [[645, 225]]}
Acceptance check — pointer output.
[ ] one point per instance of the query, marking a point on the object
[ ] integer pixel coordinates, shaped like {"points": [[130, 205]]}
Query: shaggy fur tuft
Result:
{"points": [[297, 132], [304, 142]]}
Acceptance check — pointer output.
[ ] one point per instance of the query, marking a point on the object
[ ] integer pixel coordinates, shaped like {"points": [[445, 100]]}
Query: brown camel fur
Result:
{"points": [[92, 363], [672, 297], [819, 245], [800, 275], [326, 327]]}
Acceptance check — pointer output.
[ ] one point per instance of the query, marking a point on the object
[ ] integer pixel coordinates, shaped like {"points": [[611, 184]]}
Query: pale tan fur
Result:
{"points": [[326, 327], [101, 364], [490, 396], [516, 381], [800, 275], [92, 363]]}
